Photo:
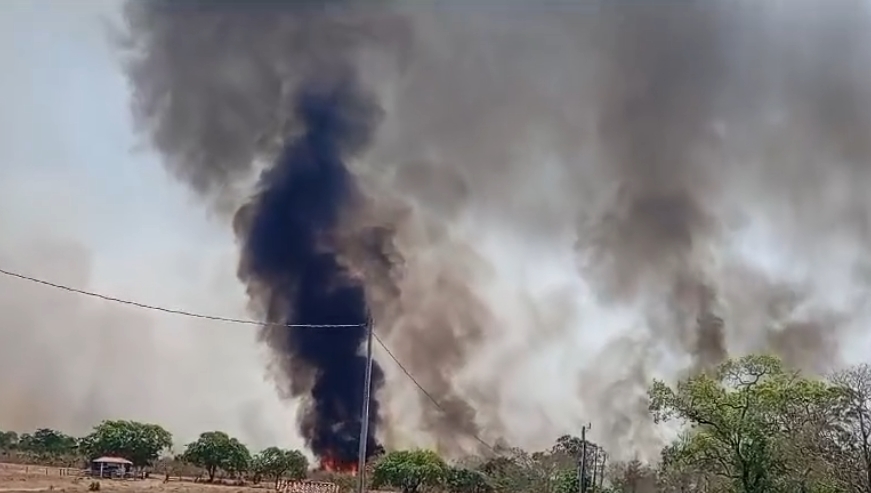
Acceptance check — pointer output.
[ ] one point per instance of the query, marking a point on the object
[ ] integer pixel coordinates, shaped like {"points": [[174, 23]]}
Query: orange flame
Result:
{"points": [[330, 463]]}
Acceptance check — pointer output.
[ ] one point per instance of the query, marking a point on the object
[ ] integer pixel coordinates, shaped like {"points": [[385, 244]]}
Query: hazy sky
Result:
{"points": [[79, 204]]}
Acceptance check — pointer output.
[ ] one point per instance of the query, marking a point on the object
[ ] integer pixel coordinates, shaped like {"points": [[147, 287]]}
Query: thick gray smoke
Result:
{"points": [[656, 108], [652, 187]]}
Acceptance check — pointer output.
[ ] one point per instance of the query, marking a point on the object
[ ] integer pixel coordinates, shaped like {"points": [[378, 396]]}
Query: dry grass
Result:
{"points": [[26, 478]]}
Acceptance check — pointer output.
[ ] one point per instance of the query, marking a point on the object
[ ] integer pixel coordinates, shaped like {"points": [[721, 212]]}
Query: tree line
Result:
{"points": [[146, 444], [750, 425]]}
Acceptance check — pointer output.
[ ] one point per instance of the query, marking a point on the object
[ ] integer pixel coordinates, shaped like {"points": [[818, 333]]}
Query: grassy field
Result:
{"points": [[28, 478]]}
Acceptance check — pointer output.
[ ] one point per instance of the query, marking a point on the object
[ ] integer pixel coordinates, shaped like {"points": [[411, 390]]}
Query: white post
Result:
{"points": [[364, 418]]}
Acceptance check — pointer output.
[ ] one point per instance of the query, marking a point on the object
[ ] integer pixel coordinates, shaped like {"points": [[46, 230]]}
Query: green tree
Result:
{"points": [[566, 481], [567, 454], [215, 450], [516, 470], [47, 442], [274, 463], [463, 480], [572, 446], [409, 470], [738, 417], [8, 440], [140, 443]]}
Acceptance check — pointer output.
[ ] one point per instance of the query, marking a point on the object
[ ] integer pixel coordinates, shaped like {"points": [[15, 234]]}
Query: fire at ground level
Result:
{"points": [[333, 464]]}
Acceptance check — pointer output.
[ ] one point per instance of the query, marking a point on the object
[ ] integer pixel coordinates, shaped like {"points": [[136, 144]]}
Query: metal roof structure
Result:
{"points": [[112, 460]]}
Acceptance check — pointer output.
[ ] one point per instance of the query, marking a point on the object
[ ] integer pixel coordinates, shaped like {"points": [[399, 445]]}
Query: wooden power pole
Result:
{"points": [[582, 467]]}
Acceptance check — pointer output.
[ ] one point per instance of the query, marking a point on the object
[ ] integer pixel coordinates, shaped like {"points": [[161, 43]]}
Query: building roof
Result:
{"points": [[112, 460]]}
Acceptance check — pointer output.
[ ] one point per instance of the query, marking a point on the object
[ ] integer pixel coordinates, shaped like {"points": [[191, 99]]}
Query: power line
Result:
{"points": [[172, 311], [190, 314], [424, 391]]}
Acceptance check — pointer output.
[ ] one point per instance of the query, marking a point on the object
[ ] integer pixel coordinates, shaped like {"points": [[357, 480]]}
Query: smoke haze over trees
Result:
{"points": [[553, 207], [749, 425], [636, 157]]}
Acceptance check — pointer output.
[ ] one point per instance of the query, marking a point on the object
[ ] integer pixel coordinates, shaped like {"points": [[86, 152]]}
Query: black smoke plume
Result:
{"points": [[274, 89], [291, 265]]}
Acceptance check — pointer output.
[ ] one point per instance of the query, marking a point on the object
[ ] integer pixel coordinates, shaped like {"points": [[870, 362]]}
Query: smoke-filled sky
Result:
{"points": [[575, 197]]}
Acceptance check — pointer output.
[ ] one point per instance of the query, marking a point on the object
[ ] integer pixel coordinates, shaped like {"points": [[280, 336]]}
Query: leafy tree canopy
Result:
{"points": [[215, 450], [47, 441], [275, 463], [409, 470], [463, 480], [8, 440], [737, 417], [140, 443]]}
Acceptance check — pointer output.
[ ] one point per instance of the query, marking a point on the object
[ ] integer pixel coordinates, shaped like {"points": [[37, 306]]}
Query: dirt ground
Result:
{"points": [[21, 478]]}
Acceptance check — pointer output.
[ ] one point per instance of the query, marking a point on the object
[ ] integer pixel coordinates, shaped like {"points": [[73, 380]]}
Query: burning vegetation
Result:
{"points": [[330, 463]]}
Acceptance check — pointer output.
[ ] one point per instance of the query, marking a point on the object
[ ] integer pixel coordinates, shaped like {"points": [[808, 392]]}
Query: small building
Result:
{"points": [[111, 467]]}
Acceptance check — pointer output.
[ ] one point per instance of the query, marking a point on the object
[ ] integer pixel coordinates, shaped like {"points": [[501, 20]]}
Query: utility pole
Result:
{"points": [[364, 414], [582, 467]]}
